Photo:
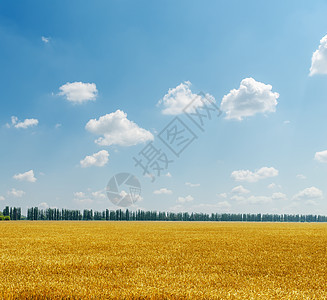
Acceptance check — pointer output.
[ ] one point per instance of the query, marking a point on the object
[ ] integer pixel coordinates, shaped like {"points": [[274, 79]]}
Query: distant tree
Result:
{"points": [[6, 211]]}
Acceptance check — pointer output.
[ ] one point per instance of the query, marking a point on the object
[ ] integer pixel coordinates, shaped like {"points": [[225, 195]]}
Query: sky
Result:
{"points": [[94, 89]]}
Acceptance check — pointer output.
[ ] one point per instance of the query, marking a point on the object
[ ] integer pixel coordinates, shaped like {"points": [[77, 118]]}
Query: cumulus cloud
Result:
{"points": [[254, 199], [79, 92], [223, 205], [192, 184], [311, 202], [209, 208], [311, 193], [16, 193], [99, 195], [98, 159], [258, 200], [87, 198], [116, 129], [188, 198], [274, 186], [279, 196], [240, 190], [163, 191], [321, 156], [79, 195], [249, 176], [45, 39], [222, 195], [22, 124], [179, 97], [43, 205], [301, 176], [27, 176], [83, 201], [319, 58], [27, 123], [251, 98], [177, 208], [238, 198]]}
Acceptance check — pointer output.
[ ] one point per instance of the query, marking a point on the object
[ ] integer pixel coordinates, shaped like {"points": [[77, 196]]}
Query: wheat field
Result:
{"points": [[162, 260]]}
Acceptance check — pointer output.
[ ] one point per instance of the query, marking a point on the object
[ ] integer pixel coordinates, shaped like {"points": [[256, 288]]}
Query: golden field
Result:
{"points": [[162, 260]]}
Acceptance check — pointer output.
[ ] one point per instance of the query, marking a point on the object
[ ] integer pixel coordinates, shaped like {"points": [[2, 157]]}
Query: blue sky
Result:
{"points": [[81, 84]]}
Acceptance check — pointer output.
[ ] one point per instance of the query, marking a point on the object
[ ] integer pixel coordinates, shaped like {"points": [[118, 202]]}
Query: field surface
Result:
{"points": [[162, 260]]}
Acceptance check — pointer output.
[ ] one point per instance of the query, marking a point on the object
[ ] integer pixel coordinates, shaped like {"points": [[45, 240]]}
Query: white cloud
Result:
{"points": [[238, 198], [240, 190], [188, 198], [251, 98], [222, 195], [45, 39], [117, 130], [209, 208], [279, 196], [86, 199], [249, 176], [321, 156], [311, 193], [177, 208], [273, 186], [98, 159], [223, 205], [24, 124], [2, 198], [58, 125], [83, 201], [16, 193], [179, 97], [192, 184], [99, 195], [258, 200], [287, 122], [301, 176], [79, 92], [27, 176], [319, 58], [253, 199], [162, 191], [79, 195], [14, 120], [27, 123], [311, 202], [43, 205]]}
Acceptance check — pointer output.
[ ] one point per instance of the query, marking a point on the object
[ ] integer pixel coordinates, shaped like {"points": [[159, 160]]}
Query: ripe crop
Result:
{"points": [[162, 260]]}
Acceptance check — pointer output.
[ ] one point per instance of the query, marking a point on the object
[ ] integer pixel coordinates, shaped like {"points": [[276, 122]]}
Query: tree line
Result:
{"points": [[11, 213], [35, 214]]}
